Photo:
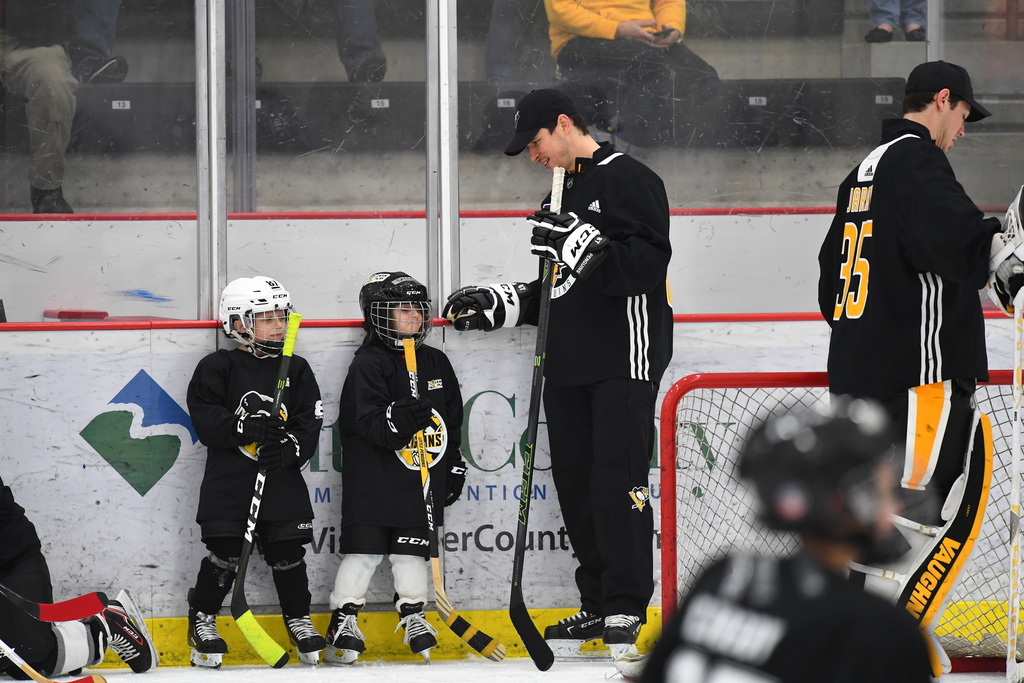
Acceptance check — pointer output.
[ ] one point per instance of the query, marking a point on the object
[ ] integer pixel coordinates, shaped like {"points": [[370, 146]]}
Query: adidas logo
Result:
{"points": [[595, 206]]}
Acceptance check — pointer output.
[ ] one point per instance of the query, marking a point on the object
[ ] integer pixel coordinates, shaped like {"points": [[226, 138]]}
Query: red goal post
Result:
{"points": [[706, 512]]}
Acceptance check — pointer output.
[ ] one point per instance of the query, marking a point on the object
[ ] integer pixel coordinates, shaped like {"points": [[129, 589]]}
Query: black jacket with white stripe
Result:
{"points": [[617, 323], [900, 271]]}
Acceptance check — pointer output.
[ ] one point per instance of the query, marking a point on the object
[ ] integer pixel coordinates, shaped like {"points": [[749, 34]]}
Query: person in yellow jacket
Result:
{"points": [[638, 44]]}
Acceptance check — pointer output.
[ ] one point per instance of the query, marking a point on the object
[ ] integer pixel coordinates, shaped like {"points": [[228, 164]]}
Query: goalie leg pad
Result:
{"points": [[925, 590], [353, 579], [79, 644]]}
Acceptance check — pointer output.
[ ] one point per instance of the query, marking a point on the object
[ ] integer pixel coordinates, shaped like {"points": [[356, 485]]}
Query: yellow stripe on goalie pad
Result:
{"points": [[927, 413]]}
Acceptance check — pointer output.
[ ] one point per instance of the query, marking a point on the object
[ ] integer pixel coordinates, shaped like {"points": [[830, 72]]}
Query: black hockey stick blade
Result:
{"points": [[538, 648], [82, 607]]}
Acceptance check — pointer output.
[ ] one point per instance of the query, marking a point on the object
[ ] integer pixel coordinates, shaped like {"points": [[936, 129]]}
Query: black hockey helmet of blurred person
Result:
{"points": [[245, 298], [385, 293], [826, 472]]}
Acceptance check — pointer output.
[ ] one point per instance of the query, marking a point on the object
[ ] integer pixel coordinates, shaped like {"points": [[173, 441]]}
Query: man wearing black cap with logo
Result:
{"points": [[609, 341], [900, 271]]}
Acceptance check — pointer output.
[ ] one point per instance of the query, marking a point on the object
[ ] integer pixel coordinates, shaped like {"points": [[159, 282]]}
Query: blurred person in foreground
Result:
{"points": [[828, 477]]}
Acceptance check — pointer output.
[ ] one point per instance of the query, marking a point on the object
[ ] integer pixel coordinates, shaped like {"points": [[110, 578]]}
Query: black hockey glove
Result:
{"points": [[406, 416], [566, 239], [259, 429], [487, 308], [454, 480], [276, 455]]}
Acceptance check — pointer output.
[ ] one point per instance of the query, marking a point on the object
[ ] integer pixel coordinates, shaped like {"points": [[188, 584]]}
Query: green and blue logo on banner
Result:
{"points": [[140, 461]]}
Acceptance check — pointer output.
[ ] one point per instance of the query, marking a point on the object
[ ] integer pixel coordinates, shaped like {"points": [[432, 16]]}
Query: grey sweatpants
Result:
{"points": [[42, 75]]}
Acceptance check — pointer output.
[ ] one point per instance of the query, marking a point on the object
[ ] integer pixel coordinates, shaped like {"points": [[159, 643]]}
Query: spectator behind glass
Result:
{"points": [[355, 30], [885, 14], [95, 27], [35, 65], [506, 35], [640, 44]]}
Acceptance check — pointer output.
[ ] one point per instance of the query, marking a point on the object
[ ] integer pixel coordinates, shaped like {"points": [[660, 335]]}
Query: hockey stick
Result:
{"points": [[265, 646], [476, 639], [82, 607], [9, 652], [1014, 668], [535, 644]]}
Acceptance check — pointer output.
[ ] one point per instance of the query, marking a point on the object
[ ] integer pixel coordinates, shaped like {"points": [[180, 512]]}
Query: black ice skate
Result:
{"points": [[345, 642], [419, 635], [567, 636], [129, 637], [208, 648], [620, 633], [306, 639]]}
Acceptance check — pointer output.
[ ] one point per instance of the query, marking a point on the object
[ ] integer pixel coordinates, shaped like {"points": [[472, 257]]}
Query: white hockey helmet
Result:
{"points": [[242, 299]]}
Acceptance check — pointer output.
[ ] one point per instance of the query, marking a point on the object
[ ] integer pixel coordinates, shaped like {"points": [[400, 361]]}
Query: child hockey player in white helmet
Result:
{"points": [[59, 649], [229, 399], [382, 504]]}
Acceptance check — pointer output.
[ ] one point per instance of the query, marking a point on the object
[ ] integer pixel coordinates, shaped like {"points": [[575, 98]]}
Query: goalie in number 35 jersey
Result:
{"points": [[901, 267]]}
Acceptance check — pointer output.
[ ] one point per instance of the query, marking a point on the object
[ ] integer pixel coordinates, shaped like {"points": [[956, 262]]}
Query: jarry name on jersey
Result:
{"points": [[860, 199], [932, 576]]}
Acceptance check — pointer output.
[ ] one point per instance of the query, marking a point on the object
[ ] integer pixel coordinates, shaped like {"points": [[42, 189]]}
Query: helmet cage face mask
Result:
{"points": [[386, 317], [243, 300], [389, 298]]}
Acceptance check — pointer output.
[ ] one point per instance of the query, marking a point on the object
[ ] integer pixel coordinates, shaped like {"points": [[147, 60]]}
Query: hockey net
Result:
{"points": [[704, 418]]}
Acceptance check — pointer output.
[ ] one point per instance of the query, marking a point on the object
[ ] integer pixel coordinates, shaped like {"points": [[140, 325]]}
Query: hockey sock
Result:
{"points": [[216, 576], [292, 588], [353, 579], [79, 644], [410, 572]]}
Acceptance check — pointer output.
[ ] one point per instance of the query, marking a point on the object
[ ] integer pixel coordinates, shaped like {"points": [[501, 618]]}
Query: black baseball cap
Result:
{"points": [[940, 75], [536, 110]]}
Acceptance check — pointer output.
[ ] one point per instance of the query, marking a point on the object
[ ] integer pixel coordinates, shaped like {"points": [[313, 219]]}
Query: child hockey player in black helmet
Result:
{"points": [[59, 649], [229, 399], [827, 476], [382, 508]]}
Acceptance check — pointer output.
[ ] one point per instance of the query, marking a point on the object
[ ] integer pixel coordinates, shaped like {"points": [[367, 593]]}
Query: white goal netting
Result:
{"points": [[713, 513]]}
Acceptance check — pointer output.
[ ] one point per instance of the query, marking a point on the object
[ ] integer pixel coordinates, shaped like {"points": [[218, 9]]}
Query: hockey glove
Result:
{"points": [[259, 429], [566, 239], [1006, 260], [487, 308], [406, 416], [276, 455], [454, 480]]}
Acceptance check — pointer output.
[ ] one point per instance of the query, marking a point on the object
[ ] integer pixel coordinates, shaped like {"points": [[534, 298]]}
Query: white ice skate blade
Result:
{"points": [[125, 598], [310, 658], [334, 655], [570, 650], [206, 661]]}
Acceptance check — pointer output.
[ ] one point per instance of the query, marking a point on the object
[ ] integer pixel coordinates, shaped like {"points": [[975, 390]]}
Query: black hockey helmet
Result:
{"points": [[816, 471], [383, 298]]}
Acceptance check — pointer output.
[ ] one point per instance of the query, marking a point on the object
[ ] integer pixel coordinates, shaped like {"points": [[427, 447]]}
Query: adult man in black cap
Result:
{"points": [[901, 267], [609, 341]]}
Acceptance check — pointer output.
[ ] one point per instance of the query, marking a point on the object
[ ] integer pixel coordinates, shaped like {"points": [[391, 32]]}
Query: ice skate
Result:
{"points": [[345, 642], [208, 648], [307, 640], [129, 637], [566, 637], [419, 635], [620, 633]]}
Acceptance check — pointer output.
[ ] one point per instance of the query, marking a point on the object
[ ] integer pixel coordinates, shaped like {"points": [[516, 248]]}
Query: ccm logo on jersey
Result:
{"points": [[411, 540], [932, 576]]}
